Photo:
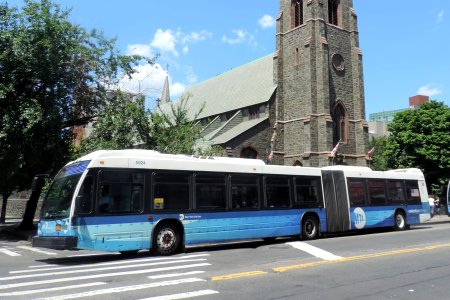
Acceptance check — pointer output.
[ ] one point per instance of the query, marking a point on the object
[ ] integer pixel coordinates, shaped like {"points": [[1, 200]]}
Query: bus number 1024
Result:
{"points": [[140, 162]]}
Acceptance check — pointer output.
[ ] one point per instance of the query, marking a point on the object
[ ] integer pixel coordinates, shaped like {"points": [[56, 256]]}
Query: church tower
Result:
{"points": [[320, 90]]}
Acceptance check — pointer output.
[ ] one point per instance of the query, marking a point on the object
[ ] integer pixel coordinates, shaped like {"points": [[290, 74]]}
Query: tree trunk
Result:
{"points": [[30, 210], [5, 196]]}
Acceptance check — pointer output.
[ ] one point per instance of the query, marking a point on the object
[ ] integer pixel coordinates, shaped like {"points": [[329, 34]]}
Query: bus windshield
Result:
{"points": [[59, 196]]}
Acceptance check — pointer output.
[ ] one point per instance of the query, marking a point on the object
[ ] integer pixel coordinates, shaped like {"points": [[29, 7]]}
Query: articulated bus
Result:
{"points": [[128, 200]]}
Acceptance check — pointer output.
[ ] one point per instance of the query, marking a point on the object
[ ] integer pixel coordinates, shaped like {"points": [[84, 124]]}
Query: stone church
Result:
{"points": [[294, 106]]}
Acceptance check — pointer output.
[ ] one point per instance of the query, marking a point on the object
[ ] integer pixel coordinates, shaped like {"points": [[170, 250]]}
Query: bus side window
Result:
{"points": [[396, 192], [278, 191], [357, 192], [244, 192], [85, 196], [120, 192], [171, 190], [412, 192], [308, 192], [377, 192]]}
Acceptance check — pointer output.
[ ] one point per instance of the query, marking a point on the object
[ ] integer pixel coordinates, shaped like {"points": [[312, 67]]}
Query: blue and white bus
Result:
{"points": [[128, 200]]}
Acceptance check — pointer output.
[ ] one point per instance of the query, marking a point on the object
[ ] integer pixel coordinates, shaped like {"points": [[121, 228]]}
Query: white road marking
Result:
{"points": [[174, 275], [317, 252], [37, 250], [29, 292], [103, 275], [9, 252], [184, 295], [123, 289], [102, 269], [121, 262]]}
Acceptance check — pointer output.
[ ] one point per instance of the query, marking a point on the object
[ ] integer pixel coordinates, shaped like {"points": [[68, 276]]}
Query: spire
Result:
{"points": [[165, 96]]}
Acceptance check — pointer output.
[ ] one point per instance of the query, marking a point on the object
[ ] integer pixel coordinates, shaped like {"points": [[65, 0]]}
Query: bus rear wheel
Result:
{"points": [[400, 221], [166, 240], [310, 228]]}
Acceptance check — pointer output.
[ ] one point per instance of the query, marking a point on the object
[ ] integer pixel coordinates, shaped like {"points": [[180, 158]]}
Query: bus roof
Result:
{"points": [[150, 159]]}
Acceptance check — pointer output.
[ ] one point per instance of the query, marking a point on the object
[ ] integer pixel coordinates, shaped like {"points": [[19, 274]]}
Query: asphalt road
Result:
{"points": [[413, 264]]}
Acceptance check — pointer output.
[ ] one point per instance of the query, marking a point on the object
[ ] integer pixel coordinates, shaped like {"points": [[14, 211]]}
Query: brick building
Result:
{"points": [[293, 106]]}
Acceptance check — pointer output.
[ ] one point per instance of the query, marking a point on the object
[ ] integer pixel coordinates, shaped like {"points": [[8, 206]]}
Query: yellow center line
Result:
{"points": [[322, 262], [360, 257], [236, 275]]}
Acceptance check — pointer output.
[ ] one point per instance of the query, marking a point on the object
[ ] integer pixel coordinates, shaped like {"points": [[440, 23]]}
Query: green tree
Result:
{"points": [[378, 160], [114, 126], [53, 75], [421, 138], [126, 124]]}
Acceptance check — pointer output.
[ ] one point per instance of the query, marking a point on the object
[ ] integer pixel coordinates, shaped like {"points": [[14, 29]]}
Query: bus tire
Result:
{"points": [[400, 221], [166, 239], [310, 228]]}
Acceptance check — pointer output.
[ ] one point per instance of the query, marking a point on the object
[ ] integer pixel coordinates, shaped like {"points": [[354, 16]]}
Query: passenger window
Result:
{"points": [[171, 191], [278, 192], [356, 192], [210, 191], [396, 192], [377, 192], [120, 192], [308, 192], [244, 192], [412, 192]]}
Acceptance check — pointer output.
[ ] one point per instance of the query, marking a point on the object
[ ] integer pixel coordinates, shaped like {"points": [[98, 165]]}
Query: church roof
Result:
{"points": [[235, 131], [243, 86]]}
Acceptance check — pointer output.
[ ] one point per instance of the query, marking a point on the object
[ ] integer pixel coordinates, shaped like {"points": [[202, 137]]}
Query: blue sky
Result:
{"points": [[405, 44]]}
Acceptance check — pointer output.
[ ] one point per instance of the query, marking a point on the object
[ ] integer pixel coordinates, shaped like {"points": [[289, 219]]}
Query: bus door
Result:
{"points": [[336, 201]]}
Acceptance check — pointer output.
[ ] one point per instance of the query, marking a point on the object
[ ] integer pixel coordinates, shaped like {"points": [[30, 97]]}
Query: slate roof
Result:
{"points": [[235, 131], [243, 86]]}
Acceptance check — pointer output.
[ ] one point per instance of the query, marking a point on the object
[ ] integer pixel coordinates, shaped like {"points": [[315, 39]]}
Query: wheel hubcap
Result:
{"points": [[165, 239]]}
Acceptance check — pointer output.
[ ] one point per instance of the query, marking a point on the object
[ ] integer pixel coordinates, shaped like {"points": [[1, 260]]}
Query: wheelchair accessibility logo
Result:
{"points": [[360, 218]]}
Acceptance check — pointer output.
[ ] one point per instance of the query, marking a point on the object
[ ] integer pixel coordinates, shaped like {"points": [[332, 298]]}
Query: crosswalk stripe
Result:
{"points": [[30, 292], [124, 289], [317, 252], [56, 267], [9, 252], [37, 250], [184, 295], [102, 269], [174, 275], [103, 275]]}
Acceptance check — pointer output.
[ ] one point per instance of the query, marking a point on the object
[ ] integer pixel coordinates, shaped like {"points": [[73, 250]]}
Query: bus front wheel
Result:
{"points": [[310, 228], [400, 221], [166, 240]]}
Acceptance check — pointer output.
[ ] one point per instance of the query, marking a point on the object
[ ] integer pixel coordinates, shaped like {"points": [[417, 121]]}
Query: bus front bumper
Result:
{"points": [[55, 242]]}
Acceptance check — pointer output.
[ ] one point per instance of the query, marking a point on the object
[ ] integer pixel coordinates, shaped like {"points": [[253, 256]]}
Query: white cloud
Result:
{"points": [[240, 36], [429, 90], [266, 21], [148, 80], [165, 40], [197, 36], [440, 16], [176, 90], [140, 49]]}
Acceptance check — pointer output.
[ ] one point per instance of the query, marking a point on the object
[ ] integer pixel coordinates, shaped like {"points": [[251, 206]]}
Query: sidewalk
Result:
{"points": [[10, 231]]}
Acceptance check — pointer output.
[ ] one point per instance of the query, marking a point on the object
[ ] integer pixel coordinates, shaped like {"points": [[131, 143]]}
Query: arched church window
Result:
{"points": [[333, 12], [249, 152], [340, 123], [296, 13]]}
